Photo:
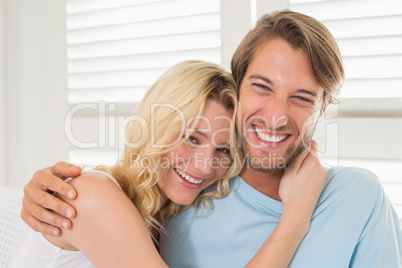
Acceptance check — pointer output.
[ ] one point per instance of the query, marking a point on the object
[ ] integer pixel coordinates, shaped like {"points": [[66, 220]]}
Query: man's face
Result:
{"points": [[280, 103]]}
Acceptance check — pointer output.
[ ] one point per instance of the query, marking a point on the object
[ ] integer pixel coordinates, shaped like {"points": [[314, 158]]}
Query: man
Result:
{"points": [[288, 69]]}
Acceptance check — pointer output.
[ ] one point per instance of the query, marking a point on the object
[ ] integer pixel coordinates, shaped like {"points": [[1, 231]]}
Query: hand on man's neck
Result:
{"points": [[265, 182]]}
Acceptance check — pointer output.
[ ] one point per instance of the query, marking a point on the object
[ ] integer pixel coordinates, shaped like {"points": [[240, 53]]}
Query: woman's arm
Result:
{"points": [[107, 229], [301, 186]]}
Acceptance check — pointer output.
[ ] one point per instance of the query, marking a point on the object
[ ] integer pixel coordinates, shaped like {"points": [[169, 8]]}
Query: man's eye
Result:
{"points": [[305, 100], [261, 86]]}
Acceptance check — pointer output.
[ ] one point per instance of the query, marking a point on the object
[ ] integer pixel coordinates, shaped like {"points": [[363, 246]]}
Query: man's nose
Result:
{"points": [[276, 112]]}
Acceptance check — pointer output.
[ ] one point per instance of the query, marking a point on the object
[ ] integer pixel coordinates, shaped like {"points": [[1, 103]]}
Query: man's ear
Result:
{"points": [[323, 109]]}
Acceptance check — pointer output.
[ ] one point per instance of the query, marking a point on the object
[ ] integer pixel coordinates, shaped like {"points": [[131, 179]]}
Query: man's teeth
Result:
{"points": [[268, 138], [187, 177]]}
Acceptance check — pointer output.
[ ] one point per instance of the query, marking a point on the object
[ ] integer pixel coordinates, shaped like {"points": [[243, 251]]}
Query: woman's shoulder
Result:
{"points": [[93, 178], [105, 213], [92, 185], [99, 200], [96, 190]]}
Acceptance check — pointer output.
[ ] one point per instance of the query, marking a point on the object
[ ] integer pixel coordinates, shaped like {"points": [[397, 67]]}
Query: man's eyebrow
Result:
{"points": [[305, 91], [257, 76]]}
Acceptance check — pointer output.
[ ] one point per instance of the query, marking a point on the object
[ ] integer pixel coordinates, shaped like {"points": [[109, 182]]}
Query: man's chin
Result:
{"points": [[270, 163], [272, 169], [265, 164], [294, 153]]}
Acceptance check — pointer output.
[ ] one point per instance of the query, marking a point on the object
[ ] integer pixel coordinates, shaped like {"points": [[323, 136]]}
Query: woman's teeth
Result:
{"points": [[268, 138], [187, 177]]}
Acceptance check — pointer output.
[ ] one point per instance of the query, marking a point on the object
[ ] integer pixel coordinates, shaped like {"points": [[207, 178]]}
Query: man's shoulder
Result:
{"points": [[351, 176], [233, 184], [353, 184], [351, 193]]}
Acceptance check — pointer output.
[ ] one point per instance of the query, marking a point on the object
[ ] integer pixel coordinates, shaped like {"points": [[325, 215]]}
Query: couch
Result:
{"points": [[12, 227]]}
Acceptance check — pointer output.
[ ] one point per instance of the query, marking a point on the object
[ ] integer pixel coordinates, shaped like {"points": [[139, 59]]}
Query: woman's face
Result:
{"points": [[202, 159]]}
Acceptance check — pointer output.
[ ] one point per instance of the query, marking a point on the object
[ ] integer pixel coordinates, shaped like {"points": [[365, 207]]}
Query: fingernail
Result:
{"points": [[69, 213], [70, 194], [55, 232], [64, 224]]}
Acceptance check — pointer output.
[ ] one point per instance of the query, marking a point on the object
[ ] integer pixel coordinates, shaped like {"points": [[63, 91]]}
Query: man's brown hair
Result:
{"points": [[300, 32]]}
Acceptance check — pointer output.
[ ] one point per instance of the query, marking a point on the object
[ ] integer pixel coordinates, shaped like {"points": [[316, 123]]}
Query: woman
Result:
{"points": [[181, 140]]}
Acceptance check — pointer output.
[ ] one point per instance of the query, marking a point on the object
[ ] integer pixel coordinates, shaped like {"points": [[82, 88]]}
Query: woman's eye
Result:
{"points": [[193, 140], [224, 150]]}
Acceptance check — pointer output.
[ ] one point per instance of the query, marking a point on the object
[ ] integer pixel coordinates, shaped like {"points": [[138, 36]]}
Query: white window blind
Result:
{"points": [[116, 50], [367, 126]]}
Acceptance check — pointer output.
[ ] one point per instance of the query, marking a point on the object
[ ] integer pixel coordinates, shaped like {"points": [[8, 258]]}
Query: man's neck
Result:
{"points": [[264, 182]]}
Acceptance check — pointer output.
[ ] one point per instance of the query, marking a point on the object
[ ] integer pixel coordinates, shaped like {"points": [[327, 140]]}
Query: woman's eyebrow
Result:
{"points": [[201, 133], [223, 144]]}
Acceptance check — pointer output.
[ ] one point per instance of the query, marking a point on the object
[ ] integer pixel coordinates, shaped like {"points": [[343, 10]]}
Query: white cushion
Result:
{"points": [[12, 227]]}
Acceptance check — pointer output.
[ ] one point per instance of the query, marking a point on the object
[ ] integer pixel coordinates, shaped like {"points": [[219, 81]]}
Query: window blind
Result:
{"points": [[116, 50], [367, 125]]}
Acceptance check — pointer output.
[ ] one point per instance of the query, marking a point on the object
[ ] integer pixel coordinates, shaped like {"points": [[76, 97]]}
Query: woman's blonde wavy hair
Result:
{"points": [[160, 123]]}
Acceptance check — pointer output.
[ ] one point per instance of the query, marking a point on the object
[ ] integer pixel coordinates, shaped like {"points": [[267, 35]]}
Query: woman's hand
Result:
{"points": [[302, 183], [300, 188], [41, 210]]}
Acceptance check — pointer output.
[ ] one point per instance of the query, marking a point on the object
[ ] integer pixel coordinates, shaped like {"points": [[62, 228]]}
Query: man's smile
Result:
{"points": [[269, 137]]}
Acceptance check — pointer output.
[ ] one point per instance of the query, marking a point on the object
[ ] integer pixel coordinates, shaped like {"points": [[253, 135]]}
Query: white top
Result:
{"points": [[36, 251]]}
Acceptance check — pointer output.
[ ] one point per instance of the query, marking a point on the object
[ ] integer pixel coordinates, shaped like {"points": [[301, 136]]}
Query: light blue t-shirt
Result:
{"points": [[353, 225]]}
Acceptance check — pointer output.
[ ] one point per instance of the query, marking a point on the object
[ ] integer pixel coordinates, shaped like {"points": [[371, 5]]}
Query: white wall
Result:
{"points": [[233, 16], [33, 95], [239, 16], [2, 103], [34, 87]]}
